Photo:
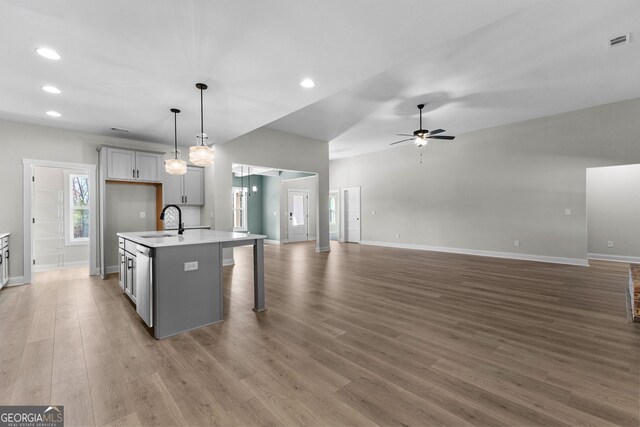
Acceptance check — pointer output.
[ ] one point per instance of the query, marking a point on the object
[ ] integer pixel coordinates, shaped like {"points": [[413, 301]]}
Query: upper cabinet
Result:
{"points": [[133, 165], [187, 189]]}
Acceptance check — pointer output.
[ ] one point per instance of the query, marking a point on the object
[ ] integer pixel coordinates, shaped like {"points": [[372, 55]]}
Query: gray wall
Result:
{"points": [[254, 203], [488, 188], [123, 204], [273, 149], [613, 211], [22, 141]]}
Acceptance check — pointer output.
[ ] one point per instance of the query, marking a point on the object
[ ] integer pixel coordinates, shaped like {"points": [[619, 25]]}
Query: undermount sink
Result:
{"points": [[157, 236]]}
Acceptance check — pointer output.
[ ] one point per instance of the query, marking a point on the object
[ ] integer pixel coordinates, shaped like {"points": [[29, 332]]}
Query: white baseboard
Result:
{"points": [[283, 241], [113, 269], [16, 281], [272, 242], [50, 267], [323, 249], [617, 258], [479, 252], [228, 261]]}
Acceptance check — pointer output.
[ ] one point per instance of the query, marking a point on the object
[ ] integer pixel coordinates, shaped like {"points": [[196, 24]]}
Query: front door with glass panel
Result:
{"points": [[298, 215]]}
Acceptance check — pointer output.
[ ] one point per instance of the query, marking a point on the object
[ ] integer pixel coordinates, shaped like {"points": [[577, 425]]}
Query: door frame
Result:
{"points": [[27, 211], [343, 213], [289, 191]]}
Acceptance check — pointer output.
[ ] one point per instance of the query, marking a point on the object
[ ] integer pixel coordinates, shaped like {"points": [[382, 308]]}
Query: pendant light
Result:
{"points": [[201, 154], [175, 166]]}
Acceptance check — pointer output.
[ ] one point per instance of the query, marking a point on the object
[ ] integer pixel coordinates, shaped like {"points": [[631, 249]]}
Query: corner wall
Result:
{"points": [[488, 188], [269, 148]]}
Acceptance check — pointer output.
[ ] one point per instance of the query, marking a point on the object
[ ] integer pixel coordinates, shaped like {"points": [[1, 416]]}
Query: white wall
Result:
{"points": [[275, 149], [488, 188], [19, 141], [309, 184], [613, 212]]}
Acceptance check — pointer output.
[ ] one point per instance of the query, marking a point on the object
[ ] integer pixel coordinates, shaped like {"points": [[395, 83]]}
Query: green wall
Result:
{"points": [[254, 202]]}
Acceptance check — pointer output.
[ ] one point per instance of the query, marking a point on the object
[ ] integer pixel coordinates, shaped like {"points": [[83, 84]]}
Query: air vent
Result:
{"points": [[121, 130], [620, 40]]}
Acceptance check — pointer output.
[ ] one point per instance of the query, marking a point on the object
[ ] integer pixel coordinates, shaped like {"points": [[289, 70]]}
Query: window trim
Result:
{"points": [[243, 208], [68, 210]]}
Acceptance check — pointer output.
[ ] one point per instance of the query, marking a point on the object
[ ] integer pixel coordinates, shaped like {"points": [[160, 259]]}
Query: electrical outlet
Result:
{"points": [[190, 266], [610, 244], [373, 212], [397, 235], [516, 243], [211, 214], [567, 211], [142, 215]]}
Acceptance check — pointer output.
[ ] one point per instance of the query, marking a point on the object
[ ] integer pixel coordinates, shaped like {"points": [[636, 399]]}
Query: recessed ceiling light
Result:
{"points": [[53, 114], [48, 53], [307, 83], [51, 89]]}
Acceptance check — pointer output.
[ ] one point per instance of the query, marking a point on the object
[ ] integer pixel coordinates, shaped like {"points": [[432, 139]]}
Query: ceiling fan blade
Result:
{"points": [[441, 137], [404, 134], [435, 132], [398, 142]]}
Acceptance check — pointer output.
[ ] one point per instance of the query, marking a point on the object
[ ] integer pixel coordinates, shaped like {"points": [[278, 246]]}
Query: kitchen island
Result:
{"points": [[175, 280]]}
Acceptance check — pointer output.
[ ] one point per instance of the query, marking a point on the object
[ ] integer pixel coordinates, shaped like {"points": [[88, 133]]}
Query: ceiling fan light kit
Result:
{"points": [[420, 136], [175, 166], [201, 154]]}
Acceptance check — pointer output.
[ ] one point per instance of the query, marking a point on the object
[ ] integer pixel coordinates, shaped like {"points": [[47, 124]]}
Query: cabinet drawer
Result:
{"points": [[130, 247], [5, 242], [120, 242]]}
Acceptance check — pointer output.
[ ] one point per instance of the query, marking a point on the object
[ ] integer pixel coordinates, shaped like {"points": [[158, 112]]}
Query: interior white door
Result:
{"points": [[352, 214], [298, 215]]}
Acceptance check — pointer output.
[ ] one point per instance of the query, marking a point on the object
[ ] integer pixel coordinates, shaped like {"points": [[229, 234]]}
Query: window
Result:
{"points": [[332, 209], [77, 220], [239, 209]]}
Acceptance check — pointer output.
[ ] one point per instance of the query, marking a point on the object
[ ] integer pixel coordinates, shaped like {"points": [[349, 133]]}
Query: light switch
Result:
{"points": [[516, 243], [567, 211], [373, 212], [142, 215], [610, 244]]}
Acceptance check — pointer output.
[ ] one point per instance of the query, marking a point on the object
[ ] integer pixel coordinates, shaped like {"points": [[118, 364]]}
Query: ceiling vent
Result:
{"points": [[122, 130], [620, 40]]}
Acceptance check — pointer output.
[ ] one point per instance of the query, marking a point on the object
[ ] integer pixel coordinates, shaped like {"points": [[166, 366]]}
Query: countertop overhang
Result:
{"points": [[158, 239]]}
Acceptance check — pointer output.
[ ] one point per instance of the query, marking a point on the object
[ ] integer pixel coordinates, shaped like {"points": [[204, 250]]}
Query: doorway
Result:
{"points": [[59, 216], [298, 215], [351, 209]]}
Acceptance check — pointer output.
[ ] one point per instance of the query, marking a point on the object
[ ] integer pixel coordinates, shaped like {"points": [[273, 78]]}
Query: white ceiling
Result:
{"points": [[475, 63], [549, 58]]}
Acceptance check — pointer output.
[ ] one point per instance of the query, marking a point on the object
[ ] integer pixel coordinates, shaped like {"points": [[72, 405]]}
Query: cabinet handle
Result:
{"points": [[7, 253], [122, 259], [185, 199], [138, 173], [129, 264], [133, 172]]}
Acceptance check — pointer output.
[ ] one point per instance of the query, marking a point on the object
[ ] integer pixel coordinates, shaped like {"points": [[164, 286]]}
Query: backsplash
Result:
{"points": [[190, 217]]}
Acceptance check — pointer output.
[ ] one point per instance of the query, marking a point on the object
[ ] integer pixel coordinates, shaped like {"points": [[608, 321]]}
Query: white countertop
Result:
{"points": [[158, 239], [4, 235]]}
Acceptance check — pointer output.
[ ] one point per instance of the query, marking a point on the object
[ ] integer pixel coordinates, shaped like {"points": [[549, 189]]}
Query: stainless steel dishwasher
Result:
{"points": [[144, 283]]}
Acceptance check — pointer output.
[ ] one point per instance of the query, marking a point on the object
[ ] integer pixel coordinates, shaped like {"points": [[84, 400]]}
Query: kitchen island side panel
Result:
{"points": [[185, 300]]}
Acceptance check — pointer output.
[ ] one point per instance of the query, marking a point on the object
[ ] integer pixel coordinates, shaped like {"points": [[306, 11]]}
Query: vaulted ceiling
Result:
{"points": [[475, 63]]}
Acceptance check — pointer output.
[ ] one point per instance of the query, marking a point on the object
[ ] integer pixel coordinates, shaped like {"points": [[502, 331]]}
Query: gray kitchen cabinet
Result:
{"points": [[133, 165], [187, 189], [4, 260]]}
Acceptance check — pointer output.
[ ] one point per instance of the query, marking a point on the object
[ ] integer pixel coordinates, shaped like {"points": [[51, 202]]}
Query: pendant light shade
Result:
{"points": [[175, 166], [201, 154]]}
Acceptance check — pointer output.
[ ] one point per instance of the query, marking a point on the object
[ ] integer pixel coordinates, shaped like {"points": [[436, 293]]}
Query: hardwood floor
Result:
{"points": [[358, 336]]}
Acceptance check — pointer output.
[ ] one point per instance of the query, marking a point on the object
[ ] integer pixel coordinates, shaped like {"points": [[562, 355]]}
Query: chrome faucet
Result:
{"points": [[180, 224]]}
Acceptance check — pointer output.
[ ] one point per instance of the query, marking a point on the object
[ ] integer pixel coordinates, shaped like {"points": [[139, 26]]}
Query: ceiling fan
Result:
{"points": [[420, 136]]}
